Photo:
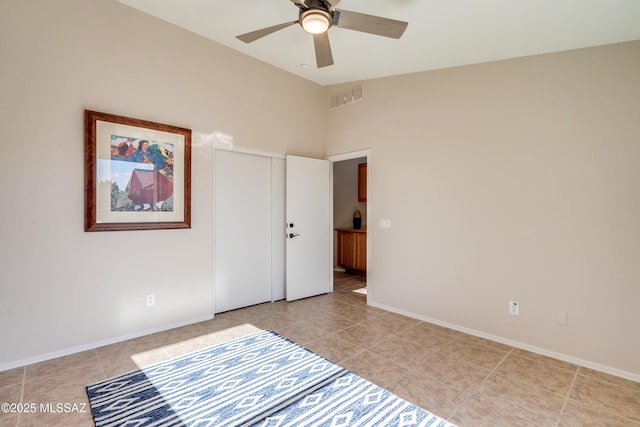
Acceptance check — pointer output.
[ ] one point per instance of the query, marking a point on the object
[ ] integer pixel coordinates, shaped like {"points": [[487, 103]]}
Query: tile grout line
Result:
{"points": [[566, 399], [101, 363], [24, 380], [473, 392]]}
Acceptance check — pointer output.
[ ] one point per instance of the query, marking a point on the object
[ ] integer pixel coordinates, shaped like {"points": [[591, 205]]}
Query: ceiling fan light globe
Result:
{"points": [[315, 21]]}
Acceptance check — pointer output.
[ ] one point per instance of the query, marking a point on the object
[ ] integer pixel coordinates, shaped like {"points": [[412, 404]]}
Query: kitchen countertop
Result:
{"points": [[352, 230]]}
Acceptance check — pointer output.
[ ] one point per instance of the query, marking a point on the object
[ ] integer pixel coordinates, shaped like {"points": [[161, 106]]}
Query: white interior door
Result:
{"points": [[309, 221], [242, 213]]}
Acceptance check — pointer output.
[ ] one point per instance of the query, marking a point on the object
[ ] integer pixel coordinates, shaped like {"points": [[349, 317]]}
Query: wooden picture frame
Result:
{"points": [[137, 174]]}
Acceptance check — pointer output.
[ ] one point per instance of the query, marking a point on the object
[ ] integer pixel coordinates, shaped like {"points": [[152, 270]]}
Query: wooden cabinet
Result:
{"points": [[362, 182], [352, 249]]}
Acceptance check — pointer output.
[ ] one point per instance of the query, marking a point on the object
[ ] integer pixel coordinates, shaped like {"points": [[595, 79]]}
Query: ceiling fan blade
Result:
{"points": [[324, 57], [255, 35], [369, 24], [332, 3]]}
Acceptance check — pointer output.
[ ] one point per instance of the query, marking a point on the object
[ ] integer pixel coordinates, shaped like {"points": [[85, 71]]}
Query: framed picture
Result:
{"points": [[137, 174]]}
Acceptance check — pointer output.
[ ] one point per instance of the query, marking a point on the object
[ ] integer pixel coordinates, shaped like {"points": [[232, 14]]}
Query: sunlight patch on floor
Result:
{"points": [[362, 291]]}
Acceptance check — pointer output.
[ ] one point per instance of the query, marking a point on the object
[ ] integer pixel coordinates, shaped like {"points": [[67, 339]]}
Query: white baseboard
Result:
{"points": [[566, 358], [96, 344]]}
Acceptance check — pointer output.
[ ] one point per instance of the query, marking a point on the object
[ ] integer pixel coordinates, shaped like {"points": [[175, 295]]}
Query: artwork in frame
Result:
{"points": [[137, 174]]}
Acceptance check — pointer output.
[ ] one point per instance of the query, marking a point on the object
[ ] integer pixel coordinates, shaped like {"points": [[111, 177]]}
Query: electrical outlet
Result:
{"points": [[514, 308], [151, 300]]}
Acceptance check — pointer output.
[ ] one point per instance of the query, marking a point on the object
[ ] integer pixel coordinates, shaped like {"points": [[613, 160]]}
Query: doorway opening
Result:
{"points": [[350, 219]]}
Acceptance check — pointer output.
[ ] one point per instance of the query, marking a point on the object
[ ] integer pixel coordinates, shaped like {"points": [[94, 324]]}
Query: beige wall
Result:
{"points": [[512, 180], [63, 289]]}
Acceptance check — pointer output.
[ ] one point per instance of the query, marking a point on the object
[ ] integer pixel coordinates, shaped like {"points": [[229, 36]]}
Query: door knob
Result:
{"points": [[292, 235]]}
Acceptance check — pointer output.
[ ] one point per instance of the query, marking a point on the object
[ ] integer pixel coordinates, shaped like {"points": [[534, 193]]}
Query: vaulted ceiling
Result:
{"points": [[440, 34]]}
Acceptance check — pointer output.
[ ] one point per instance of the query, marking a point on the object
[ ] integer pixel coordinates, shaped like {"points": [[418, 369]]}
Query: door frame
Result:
{"points": [[349, 156], [332, 158]]}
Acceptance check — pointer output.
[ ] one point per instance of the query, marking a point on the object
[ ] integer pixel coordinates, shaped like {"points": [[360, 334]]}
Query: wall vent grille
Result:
{"points": [[346, 98]]}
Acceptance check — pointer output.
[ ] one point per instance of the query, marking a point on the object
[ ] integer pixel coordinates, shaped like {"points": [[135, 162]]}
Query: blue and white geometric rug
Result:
{"points": [[261, 379], [352, 401]]}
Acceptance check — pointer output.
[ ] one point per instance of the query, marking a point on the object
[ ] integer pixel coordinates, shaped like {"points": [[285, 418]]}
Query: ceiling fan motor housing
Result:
{"points": [[316, 14], [318, 4]]}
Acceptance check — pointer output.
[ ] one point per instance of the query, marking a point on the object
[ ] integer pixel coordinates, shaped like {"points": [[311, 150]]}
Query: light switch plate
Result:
{"points": [[561, 318], [385, 223]]}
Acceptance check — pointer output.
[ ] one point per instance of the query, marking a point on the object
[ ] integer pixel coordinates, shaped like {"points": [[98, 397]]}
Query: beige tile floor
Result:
{"points": [[467, 380]]}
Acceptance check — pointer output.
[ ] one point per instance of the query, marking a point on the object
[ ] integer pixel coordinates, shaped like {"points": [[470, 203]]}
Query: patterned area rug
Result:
{"points": [[352, 401], [261, 379]]}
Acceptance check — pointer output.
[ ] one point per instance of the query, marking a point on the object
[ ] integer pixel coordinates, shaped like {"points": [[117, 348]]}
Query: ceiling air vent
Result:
{"points": [[346, 98]]}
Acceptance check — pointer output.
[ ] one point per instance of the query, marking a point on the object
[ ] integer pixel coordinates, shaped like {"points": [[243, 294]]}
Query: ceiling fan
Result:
{"points": [[317, 16]]}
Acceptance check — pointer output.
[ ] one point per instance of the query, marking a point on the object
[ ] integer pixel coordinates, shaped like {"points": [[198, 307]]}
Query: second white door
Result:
{"points": [[309, 220]]}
